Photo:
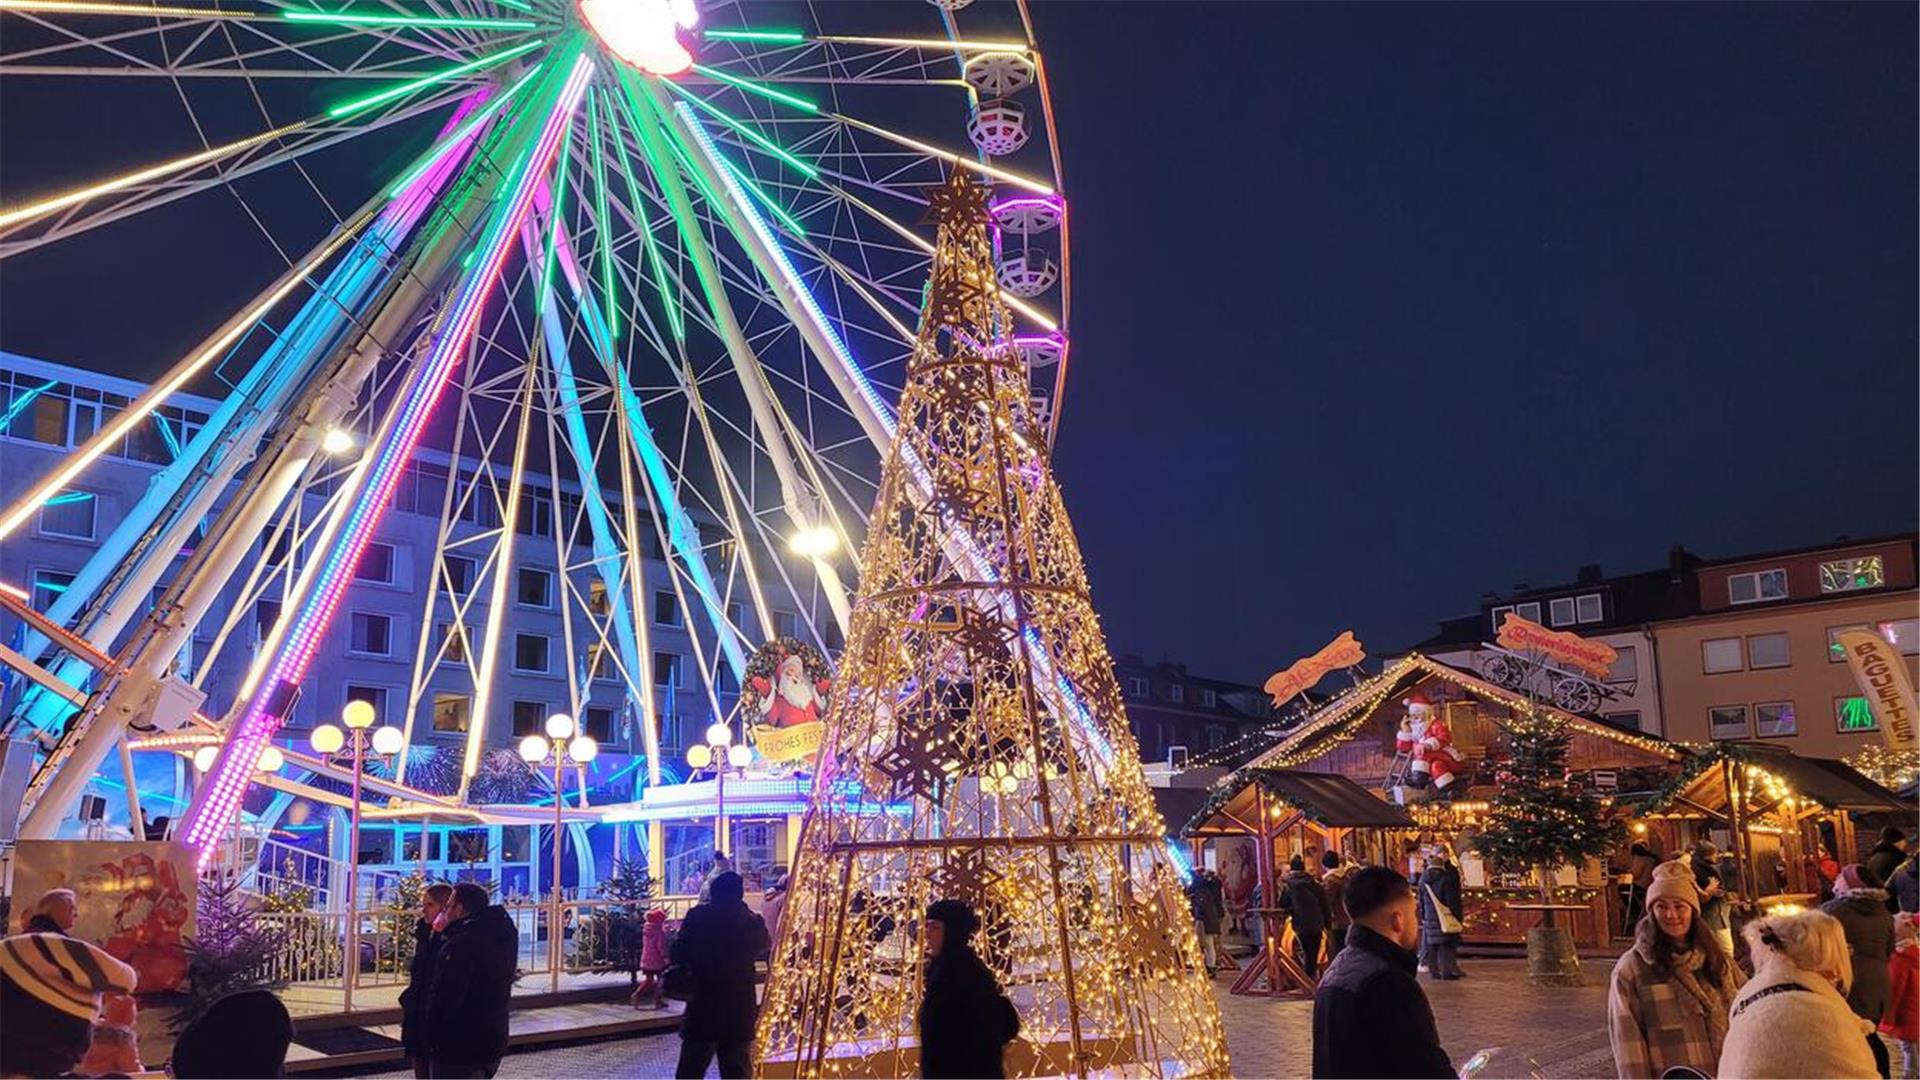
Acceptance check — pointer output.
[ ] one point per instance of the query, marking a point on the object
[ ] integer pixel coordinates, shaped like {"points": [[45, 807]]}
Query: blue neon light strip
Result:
{"points": [[20, 403]]}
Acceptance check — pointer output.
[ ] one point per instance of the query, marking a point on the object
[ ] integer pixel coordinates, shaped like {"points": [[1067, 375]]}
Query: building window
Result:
{"points": [[452, 712], [1774, 720], [533, 588], [1847, 575], [1560, 611], [531, 653], [1177, 694], [47, 587], [1530, 612], [786, 624], [536, 514], [600, 664], [1628, 719], [1836, 652], [597, 601], [1216, 738], [1757, 586], [1626, 665], [371, 634], [69, 515], [375, 696], [1589, 608], [265, 613], [1720, 654], [666, 609], [1209, 699], [1851, 714], [1136, 688], [1498, 614], [461, 571], [529, 718], [376, 564], [453, 643], [1767, 651], [1727, 722], [600, 723], [667, 670], [1902, 634]]}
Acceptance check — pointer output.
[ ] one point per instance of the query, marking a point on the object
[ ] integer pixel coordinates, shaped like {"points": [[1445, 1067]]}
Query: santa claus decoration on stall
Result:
{"points": [[785, 699], [1426, 739]]}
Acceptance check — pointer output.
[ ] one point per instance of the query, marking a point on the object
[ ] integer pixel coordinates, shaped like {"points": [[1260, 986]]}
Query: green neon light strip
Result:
{"points": [[750, 87], [658, 162], [520, 5], [455, 139], [778, 37], [348, 108], [20, 403], [68, 497], [792, 223], [547, 291], [603, 224], [425, 22], [639, 198], [800, 166]]}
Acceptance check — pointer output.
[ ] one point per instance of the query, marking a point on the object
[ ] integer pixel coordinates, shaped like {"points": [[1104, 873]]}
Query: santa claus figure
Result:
{"points": [[1427, 740], [791, 699]]}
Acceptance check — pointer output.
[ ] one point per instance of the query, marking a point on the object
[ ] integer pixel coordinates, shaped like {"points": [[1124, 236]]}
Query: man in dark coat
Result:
{"points": [[1887, 855], [474, 972], [719, 941], [426, 954], [1209, 905], [965, 1021], [1370, 1018], [1305, 902], [1905, 886]]}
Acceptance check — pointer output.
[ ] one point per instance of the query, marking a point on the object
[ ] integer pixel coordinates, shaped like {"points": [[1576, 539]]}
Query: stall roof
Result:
{"points": [[1326, 798], [1833, 784], [1339, 718]]}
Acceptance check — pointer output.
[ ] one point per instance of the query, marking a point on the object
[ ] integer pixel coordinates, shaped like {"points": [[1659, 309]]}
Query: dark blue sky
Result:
{"points": [[1377, 307]]}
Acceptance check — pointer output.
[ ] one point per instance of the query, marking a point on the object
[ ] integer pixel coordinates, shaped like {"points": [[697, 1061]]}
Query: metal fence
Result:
{"points": [[314, 943]]}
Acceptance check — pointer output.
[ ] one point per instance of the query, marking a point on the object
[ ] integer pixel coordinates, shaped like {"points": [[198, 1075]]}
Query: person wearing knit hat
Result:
{"points": [[1669, 995], [1861, 906], [50, 989], [965, 1021]]}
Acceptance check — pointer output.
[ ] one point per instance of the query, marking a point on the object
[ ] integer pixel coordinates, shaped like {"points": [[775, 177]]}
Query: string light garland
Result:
{"points": [[976, 692]]}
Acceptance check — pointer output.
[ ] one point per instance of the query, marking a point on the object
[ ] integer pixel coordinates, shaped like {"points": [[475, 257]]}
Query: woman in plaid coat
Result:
{"points": [[1671, 992]]}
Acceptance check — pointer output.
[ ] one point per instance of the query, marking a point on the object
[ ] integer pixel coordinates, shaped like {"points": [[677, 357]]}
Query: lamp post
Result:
{"points": [[328, 741], [561, 746], [720, 754]]}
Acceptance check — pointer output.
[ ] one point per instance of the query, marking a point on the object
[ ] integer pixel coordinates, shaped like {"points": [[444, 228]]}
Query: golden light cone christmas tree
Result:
{"points": [[978, 749]]}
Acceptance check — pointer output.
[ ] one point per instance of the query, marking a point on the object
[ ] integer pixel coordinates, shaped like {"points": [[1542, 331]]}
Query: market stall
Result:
{"points": [[1430, 737], [1769, 810], [1288, 813]]}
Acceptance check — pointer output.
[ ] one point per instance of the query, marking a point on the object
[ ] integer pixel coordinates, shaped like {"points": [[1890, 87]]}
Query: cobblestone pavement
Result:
{"points": [[1553, 1032]]}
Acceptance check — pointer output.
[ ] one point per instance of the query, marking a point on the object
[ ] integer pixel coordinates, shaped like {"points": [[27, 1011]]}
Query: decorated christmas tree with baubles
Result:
{"points": [[977, 749]]}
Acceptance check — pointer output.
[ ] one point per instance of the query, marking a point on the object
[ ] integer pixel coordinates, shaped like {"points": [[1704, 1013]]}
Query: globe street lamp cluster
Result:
{"points": [[563, 745]]}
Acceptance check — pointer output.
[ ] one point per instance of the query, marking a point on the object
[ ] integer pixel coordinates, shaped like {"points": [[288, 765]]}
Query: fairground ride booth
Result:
{"points": [[1284, 813], [1769, 812], [1362, 734]]}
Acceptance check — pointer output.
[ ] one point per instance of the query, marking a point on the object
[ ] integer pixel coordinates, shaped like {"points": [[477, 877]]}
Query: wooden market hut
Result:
{"points": [[1775, 807], [1352, 735], [1268, 805]]}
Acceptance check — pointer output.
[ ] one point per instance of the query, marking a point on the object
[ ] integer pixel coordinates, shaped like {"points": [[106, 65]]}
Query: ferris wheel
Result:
{"points": [[647, 267]]}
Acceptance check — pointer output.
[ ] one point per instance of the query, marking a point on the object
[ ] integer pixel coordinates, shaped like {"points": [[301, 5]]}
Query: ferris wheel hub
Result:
{"points": [[651, 35]]}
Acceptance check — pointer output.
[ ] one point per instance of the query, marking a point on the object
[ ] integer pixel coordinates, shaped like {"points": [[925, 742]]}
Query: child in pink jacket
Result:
{"points": [[653, 960]]}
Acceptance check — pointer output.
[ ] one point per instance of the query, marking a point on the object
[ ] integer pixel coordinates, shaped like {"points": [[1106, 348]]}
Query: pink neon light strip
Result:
{"points": [[228, 780]]}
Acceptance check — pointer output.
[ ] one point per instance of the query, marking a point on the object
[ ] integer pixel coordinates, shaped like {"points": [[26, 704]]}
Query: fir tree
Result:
{"points": [[1543, 817], [611, 935], [233, 949]]}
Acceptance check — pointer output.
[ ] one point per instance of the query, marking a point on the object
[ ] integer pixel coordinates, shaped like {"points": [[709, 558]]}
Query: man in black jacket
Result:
{"points": [[426, 955], [466, 1012], [1370, 1017], [719, 941], [1887, 855], [965, 1021], [1305, 902]]}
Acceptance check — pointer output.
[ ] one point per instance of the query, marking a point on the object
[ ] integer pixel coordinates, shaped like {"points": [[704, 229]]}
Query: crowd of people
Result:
{"points": [[1829, 987]]}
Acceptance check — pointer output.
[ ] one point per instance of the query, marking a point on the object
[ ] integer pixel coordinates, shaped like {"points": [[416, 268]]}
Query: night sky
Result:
{"points": [[1377, 307]]}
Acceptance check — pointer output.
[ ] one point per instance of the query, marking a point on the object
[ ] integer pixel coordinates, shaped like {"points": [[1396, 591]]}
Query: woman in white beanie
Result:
{"points": [[1792, 1018], [1668, 1003]]}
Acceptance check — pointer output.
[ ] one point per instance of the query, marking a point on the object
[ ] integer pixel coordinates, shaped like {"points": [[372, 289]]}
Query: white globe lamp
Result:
{"points": [[388, 740], [739, 755], [203, 758], [533, 749], [559, 726], [583, 749], [719, 735], [358, 715], [327, 739], [699, 756]]}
